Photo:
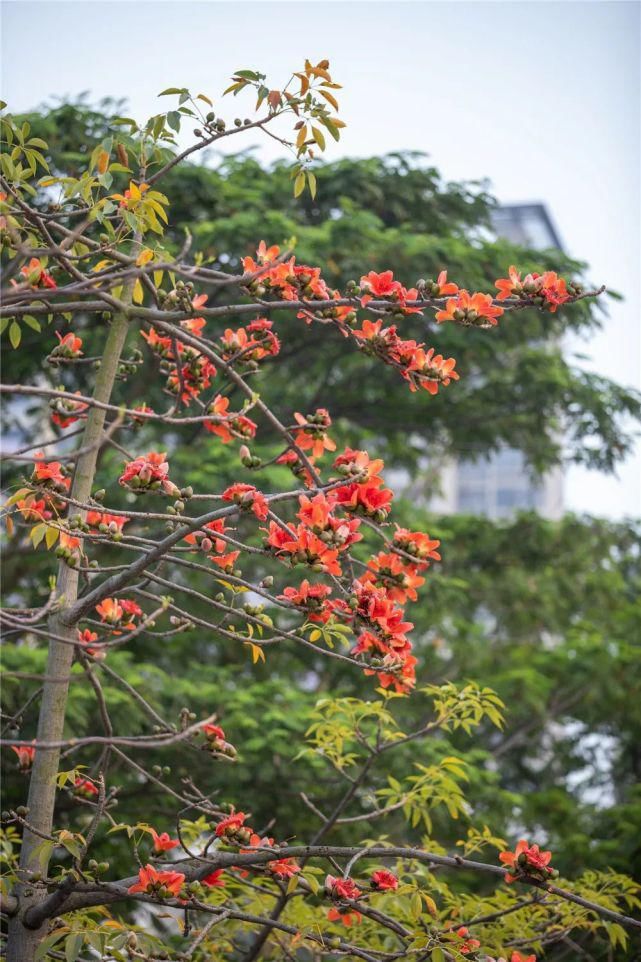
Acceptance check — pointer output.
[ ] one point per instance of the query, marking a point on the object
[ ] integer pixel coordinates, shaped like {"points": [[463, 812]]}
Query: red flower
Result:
{"points": [[379, 285], [36, 276], [384, 881], [33, 509], [213, 880], [162, 884], [69, 346], [283, 867], [351, 917], [120, 612], [417, 543], [106, 523], [67, 411], [443, 287], [86, 639], [85, 788], [359, 463], [527, 859], [468, 944], [309, 597], [163, 842], [547, 288], [428, 370], [391, 572], [466, 308], [149, 471], [314, 436], [367, 499], [25, 755], [246, 496], [49, 473], [230, 826], [304, 548], [231, 425], [341, 888]]}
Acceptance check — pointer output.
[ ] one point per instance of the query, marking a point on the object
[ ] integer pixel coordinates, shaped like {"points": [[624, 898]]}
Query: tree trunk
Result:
{"points": [[22, 940]]}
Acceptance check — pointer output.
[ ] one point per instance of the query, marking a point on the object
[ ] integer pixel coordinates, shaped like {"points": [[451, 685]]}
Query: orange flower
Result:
{"points": [[399, 578], [109, 610], [36, 276], [341, 888], [428, 370], [85, 788], [69, 346], [528, 860], [476, 309], [384, 881], [163, 842], [161, 884], [33, 509], [468, 944], [314, 434], [416, 543], [25, 755], [233, 828], [213, 880], [283, 867], [346, 916], [86, 639], [233, 425], [304, 548], [246, 496], [50, 471]]}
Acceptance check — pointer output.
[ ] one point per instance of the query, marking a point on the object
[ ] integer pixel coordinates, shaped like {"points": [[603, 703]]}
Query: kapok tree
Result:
{"points": [[317, 554]]}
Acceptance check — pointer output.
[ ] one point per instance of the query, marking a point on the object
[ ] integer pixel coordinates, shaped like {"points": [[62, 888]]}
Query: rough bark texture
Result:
{"points": [[23, 941]]}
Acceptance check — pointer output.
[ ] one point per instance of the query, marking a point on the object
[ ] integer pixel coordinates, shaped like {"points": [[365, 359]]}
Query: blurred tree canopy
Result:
{"points": [[545, 613]]}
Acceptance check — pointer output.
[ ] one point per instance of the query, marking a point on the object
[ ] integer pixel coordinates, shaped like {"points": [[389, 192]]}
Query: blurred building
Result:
{"points": [[500, 485]]}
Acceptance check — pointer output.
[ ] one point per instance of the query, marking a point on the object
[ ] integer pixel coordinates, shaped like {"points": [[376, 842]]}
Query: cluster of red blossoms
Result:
{"points": [[388, 582], [346, 890], [545, 290], [209, 538], [149, 472], [233, 831], [528, 860], [119, 613], [67, 410]]}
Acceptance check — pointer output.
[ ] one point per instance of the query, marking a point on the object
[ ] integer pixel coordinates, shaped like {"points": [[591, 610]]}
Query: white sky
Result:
{"points": [[541, 97]]}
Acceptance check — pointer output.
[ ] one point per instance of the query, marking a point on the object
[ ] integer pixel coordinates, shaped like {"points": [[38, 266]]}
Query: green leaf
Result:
{"points": [[15, 334], [32, 322], [73, 946]]}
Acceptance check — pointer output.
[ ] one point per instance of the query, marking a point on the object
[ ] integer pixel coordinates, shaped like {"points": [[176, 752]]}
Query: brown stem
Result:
{"points": [[23, 942]]}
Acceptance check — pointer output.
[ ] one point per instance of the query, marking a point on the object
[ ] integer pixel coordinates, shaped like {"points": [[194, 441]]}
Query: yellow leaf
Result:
{"points": [[430, 904], [16, 497], [299, 184], [134, 191], [138, 293], [144, 257], [103, 162], [302, 135], [330, 98], [257, 652]]}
